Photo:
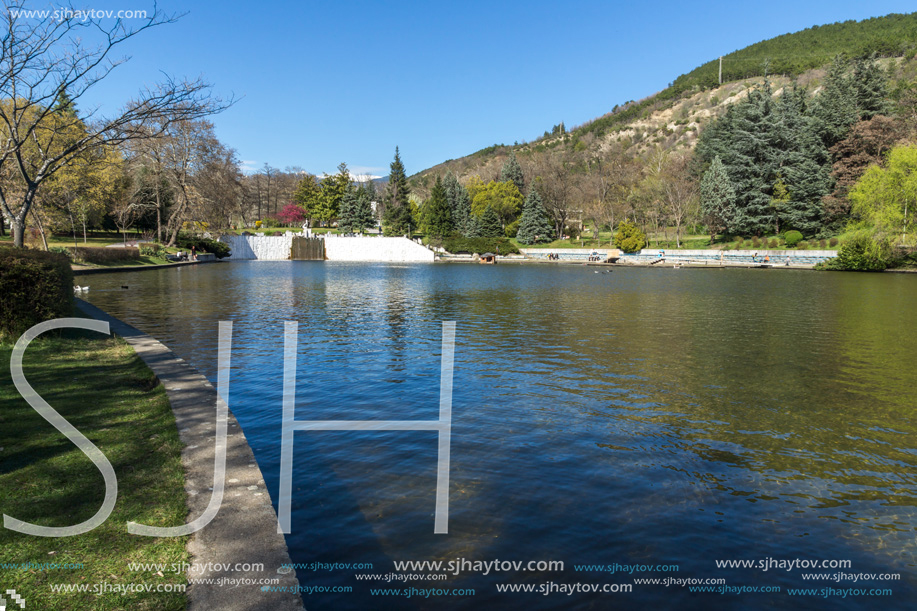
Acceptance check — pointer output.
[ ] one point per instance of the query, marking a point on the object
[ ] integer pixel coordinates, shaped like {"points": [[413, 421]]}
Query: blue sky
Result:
{"points": [[324, 82]]}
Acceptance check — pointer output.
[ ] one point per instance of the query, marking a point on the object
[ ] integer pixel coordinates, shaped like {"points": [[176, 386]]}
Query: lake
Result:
{"points": [[649, 417]]}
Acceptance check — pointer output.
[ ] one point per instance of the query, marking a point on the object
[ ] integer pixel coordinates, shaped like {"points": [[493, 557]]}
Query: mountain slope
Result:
{"points": [[673, 117]]}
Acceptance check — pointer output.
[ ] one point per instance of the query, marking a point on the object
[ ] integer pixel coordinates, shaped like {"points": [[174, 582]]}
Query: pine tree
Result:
{"points": [[472, 227], [870, 83], [459, 205], [512, 171], [489, 224], [835, 108], [452, 188], [65, 105], [347, 213], [751, 164], [803, 165], [439, 216], [744, 141], [328, 204], [363, 210], [534, 226], [717, 198], [397, 207]]}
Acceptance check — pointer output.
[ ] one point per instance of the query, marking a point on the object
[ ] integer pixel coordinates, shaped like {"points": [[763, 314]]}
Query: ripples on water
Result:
{"points": [[639, 417]]}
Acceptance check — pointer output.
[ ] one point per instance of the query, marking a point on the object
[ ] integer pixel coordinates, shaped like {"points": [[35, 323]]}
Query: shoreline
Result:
{"points": [[80, 270], [246, 513]]}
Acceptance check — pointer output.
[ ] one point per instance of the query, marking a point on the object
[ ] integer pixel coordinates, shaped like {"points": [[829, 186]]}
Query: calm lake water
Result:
{"points": [[640, 417]]}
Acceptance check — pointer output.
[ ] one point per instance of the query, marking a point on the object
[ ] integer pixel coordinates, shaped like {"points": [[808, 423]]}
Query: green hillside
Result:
{"points": [[790, 55]]}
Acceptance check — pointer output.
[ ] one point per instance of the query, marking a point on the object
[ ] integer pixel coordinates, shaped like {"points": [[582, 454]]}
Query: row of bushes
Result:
{"points": [[457, 245], [791, 239], [101, 255], [34, 286], [220, 249]]}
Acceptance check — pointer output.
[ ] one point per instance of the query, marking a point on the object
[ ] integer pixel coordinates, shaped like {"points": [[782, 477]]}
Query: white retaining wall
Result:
{"points": [[265, 248], [804, 254], [375, 249], [537, 252], [277, 248]]}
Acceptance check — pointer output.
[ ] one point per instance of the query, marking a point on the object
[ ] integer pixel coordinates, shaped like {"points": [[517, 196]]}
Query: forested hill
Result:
{"points": [[792, 54], [650, 122]]}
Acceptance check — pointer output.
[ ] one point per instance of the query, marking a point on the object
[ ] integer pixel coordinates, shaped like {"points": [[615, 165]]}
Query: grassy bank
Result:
{"points": [[101, 387]]}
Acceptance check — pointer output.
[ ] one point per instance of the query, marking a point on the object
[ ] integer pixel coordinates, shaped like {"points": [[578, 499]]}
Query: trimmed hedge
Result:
{"points": [[34, 286], [458, 245], [220, 249], [792, 238], [99, 254]]}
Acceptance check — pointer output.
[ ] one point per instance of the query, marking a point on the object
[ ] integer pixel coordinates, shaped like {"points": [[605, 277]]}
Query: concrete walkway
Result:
{"points": [[245, 529]]}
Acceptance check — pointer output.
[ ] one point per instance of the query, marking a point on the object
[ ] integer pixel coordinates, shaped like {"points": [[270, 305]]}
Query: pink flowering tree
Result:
{"points": [[291, 215]]}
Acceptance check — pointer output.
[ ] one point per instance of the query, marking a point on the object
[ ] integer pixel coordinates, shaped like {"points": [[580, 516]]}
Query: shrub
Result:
{"points": [[629, 238], [864, 253], [34, 286], [220, 249], [32, 238], [150, 250], [755, 242], [802, 245], [512, 229], [61, 250], [792, 238], [832, 242], [479, 245], [822, 244], [269, 222], [773, 243], [100, 255]]}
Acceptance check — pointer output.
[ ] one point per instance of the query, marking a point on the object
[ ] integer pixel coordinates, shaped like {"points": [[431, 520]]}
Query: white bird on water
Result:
{"points": [[80, 289]]}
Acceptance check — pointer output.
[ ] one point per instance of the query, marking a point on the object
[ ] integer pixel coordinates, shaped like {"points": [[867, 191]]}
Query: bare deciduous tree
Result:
{"points": [[555, 183], [681, 193], [42, 58]]}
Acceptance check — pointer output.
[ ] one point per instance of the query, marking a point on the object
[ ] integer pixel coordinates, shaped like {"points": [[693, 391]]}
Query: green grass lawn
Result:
{"points": [[95, 238], [101, 387]]}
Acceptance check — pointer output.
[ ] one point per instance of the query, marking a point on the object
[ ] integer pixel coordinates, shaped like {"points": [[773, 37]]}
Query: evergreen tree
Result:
{"points": [[472, 227], [749, 161], [451, 186], [717, 198], [512, 171], [328, 204], [347, 213], [64, 105], [307, 194], [439, 216], [464, 220], [363, 210], [803, 165], [489, 224], [835, 108], [397, 207], [870, 83], [459, 205], [534, 226]]}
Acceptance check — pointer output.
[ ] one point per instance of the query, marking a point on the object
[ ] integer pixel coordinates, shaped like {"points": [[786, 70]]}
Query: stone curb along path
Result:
{"points": [[245, 529]]}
